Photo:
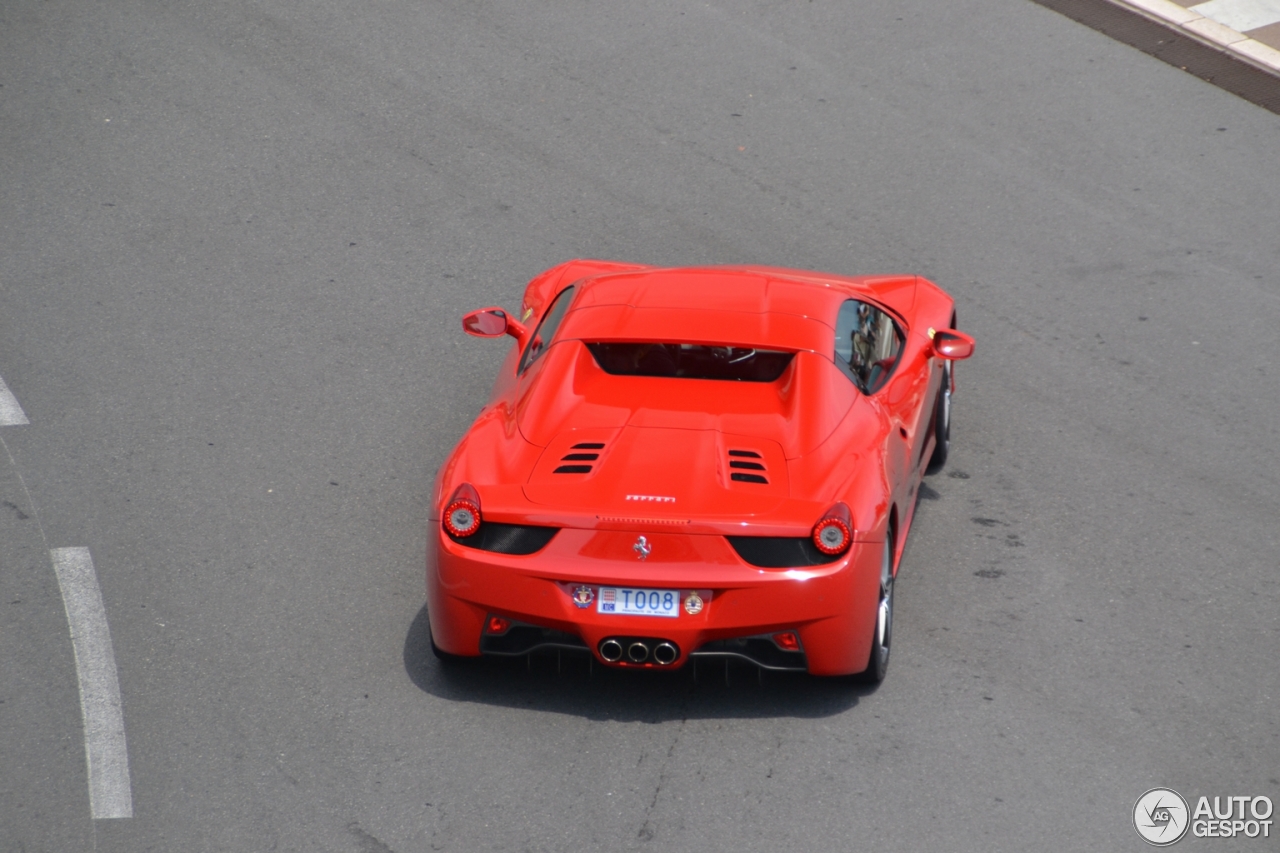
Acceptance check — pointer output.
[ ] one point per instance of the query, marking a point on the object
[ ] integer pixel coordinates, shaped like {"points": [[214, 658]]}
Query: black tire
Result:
{"points": [[941, 423], [882, 632]]}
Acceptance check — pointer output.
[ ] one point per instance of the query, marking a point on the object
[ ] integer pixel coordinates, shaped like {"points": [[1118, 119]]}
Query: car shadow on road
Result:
{"points": [[572, 684]]}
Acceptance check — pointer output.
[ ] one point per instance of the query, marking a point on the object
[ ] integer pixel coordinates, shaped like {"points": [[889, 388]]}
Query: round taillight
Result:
{"points": [[831, 535], [462, 518]]}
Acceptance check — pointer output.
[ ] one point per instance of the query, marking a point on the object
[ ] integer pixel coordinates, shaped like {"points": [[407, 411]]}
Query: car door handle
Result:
{"points": [[902, 431]]}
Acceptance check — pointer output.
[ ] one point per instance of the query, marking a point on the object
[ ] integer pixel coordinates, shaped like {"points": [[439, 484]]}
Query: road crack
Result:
{"points": [[648, 829]]}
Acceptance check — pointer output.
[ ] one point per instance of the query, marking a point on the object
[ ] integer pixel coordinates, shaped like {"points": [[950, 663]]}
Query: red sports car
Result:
{"points": [[683, 464]]}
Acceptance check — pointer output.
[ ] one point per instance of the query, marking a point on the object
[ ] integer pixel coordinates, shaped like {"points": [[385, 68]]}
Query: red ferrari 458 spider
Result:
{"points": [[683, 464]]}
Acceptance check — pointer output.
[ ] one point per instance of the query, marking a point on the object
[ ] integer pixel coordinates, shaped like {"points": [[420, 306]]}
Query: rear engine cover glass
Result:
{"points": [[690, 361]]}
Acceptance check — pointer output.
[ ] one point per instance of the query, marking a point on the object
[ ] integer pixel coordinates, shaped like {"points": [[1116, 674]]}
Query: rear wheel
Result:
{"points": [[882, 636], [941, 423]]}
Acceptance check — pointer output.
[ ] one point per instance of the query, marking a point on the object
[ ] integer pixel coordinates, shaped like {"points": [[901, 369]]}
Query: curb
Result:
{"points": [[1206, 31], [1187, 40]]}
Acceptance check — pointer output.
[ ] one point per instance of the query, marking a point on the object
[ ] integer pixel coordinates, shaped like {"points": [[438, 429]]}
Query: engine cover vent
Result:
{"points": [[740, 462]]}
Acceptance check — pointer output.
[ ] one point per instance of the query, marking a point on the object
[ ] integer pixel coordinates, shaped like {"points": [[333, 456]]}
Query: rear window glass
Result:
{"points": [[690, 361]]}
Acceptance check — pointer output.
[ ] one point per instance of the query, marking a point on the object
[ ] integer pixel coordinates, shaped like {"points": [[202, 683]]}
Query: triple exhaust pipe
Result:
{"points": [[639, 650]]}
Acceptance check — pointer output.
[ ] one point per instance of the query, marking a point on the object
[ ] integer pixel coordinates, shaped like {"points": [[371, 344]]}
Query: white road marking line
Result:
{"points": [[11, 413], [1241, 15], [107, 757]]}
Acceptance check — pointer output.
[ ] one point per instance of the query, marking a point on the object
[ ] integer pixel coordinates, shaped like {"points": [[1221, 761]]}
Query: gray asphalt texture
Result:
{"points": [[235, 241]]}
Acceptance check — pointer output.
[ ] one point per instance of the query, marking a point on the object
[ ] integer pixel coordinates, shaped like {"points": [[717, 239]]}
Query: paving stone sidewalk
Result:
{"points": [[1247, 29]]}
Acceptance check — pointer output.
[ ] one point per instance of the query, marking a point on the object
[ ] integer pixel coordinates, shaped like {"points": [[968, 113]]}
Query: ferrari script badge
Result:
{"points": [[642, 547]]}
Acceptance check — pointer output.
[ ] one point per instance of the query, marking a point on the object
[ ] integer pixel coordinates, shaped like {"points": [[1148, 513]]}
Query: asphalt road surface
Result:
{"points": [[235, 241]]}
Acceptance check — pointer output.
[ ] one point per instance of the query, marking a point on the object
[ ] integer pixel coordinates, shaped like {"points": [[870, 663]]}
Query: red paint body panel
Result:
{"points": [[660, 455], [741, 600], [799, 411]]}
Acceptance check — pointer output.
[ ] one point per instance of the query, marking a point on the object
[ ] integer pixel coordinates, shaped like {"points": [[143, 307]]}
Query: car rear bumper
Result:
{"points": [[831, 607]]}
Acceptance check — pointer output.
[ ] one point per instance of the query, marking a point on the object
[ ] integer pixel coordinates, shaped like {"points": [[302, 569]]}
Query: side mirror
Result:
{"points": [[485, 323], [952, 345], [491, 323]]}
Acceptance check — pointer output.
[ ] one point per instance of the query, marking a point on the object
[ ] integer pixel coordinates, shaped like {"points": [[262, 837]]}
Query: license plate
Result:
{"points": [[622, 601]]}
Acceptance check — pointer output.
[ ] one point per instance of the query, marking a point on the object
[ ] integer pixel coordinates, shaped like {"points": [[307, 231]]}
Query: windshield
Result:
{"points": [[690, 361], [867, 344], [546, 330]]}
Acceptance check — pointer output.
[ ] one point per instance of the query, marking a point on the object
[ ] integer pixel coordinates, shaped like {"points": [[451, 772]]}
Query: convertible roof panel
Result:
{"points": [[711, 289]]}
